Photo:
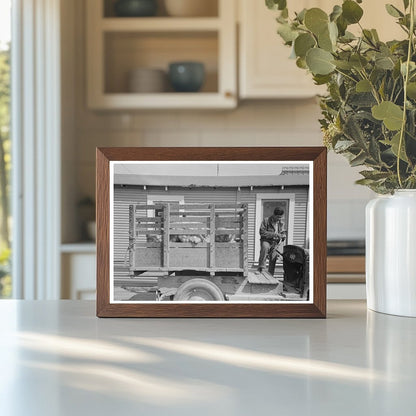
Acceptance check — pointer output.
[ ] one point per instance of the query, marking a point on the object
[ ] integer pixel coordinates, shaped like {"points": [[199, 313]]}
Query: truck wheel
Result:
{"points": [[198, 290]]}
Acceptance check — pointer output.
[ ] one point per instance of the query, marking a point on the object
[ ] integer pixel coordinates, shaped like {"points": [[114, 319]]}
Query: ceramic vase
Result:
{"points": [[391, 253]]}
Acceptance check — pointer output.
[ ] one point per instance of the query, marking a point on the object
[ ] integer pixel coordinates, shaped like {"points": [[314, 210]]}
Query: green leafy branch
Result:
{"points": [[369, 111]]}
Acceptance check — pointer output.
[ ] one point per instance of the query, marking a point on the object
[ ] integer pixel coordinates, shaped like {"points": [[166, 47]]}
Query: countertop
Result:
{"points": [[57, 358]]}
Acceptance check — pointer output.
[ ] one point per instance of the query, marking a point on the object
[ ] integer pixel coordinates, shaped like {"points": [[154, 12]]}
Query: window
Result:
{"points": [[5, 147]]}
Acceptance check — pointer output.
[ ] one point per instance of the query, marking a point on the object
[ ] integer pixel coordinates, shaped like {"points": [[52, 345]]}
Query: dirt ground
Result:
{"points": [[129, 294]]}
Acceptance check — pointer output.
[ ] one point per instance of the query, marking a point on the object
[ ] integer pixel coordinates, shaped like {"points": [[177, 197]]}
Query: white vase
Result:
{"points": [[391, 253]]}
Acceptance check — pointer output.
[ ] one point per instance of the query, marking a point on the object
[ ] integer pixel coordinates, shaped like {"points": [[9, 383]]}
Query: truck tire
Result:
{"points": [[198, 290]]}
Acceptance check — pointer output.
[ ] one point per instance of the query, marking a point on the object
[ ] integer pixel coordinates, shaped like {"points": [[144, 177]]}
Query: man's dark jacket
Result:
{"points": [[268, 230]]}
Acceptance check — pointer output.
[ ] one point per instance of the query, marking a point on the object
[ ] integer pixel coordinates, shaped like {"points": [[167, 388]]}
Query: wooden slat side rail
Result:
{"points": [[148, 245], [207, 206], [190, 232], [140, 207], [149, 227], [203, 224], [229, 244], [197, 230], [212, 237], [190, 220], [346, 264], [244, 236], [179, 244], [205, 244], [142, 220], [223, 222], [199, 269], [166, 238], [149, 232], [189, 214], [132, 234]]}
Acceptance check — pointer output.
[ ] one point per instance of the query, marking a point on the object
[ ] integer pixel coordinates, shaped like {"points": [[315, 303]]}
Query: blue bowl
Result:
{"points": [[135, 8], [186, 76]]}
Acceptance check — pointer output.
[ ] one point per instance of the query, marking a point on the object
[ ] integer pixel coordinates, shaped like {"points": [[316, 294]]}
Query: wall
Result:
{"points": [[253, 123]]}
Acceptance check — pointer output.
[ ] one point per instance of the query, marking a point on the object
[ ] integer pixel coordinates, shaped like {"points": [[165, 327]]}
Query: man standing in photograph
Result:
{"points": [[272, 237]]}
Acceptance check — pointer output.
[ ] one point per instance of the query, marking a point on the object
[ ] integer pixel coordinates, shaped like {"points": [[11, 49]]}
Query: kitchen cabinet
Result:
{"points": [[118, 45], [78, 263], [265, 70]]}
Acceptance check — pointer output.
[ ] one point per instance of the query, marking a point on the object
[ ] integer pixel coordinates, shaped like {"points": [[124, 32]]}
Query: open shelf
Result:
{"points": [[210, 9], [160, 24], [167, 100], [80, 247], [127, 51], [119, 45]]}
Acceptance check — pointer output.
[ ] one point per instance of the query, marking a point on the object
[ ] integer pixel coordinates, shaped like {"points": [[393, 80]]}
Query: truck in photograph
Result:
{"points": [[199, 252]]}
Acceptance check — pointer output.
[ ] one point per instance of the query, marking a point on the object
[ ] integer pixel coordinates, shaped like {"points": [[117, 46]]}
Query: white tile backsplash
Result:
{"points": [[341, 180], [170, 138], [346, 219]]}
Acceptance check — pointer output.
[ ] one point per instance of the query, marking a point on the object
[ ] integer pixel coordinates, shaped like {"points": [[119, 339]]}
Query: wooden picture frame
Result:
{"points": [[312, 306]]}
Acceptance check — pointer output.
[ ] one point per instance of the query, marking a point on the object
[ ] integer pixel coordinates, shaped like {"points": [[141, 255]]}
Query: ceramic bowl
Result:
{"points": [[186, 76], [147, 80], [135, 8]]}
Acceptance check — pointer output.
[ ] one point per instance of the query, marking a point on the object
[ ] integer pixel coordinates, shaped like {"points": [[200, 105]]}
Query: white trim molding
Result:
{"points": [[161, 198], [36, 138]]}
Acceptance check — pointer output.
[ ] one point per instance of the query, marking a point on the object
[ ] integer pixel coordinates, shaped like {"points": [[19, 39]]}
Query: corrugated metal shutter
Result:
{"points": [[249, 197], [124, 196], [301, 208]]}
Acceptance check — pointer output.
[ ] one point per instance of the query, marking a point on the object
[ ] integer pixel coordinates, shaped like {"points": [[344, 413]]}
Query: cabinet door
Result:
{"points": [[376, 17], [78, 276], [266, 71]]}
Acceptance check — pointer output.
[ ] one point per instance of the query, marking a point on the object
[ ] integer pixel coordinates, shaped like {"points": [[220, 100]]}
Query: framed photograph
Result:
{"points": [[211, 232]]}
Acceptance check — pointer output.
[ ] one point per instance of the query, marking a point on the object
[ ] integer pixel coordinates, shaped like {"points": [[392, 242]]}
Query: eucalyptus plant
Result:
{"points": [[369, 111]]}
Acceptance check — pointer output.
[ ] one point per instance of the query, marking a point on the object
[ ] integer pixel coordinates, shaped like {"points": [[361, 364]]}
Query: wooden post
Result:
{"points": [[212, 237], [245, 238], [166, 237], [132, 234]]}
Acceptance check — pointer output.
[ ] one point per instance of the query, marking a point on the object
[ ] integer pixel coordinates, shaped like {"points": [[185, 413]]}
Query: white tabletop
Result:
{"points": [[57, 358]]}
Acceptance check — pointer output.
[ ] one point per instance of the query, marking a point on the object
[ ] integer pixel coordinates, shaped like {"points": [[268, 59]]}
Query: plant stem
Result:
{"points": [[373, 88], [346, 75], [392, 91], [406, 79]]}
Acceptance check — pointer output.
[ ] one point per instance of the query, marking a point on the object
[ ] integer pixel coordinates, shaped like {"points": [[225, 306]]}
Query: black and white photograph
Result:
{"points": [[211, 231]]}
